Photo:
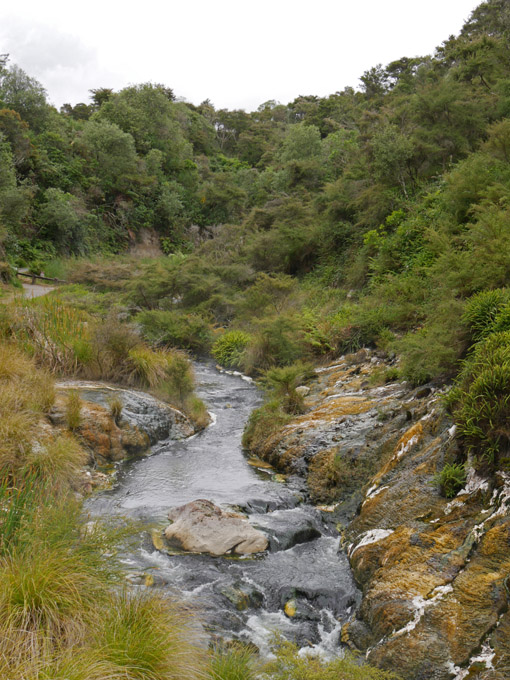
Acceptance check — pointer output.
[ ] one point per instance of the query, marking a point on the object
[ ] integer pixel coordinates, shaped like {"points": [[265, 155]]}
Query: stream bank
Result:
{"points": [[434, 572]]}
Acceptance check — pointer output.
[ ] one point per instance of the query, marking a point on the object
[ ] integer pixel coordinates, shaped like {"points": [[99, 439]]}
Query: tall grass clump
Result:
{"points": [[262, 424], [480, 400], [18, 502], [68, 342], [54, 333], [73, 410], [288, 665], [149, 638], [56, 461], [228, 349], [235, 662]]}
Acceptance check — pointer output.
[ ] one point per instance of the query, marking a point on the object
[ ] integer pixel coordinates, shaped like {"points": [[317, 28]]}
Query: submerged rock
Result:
{"points": [[287, 528], [202, 527]]}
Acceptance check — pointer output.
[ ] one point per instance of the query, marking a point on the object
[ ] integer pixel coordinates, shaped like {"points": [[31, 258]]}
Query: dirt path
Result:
{"points": [[29, 291], [36, 290]]}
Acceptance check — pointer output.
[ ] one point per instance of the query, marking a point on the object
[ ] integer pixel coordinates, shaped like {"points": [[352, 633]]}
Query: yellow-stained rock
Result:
{"points": [[290, 608]]}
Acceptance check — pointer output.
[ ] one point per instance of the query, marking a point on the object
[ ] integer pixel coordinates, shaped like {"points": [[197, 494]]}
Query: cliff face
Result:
{"points": [[434, 572]]}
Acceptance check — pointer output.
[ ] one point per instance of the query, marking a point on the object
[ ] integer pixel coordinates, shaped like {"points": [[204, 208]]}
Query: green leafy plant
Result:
{"points": [[451, 479], [482, 310], [229, 348]]}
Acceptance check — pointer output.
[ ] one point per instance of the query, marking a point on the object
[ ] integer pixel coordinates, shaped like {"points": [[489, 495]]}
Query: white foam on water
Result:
{"points": [[329, 646], [262, 628]]}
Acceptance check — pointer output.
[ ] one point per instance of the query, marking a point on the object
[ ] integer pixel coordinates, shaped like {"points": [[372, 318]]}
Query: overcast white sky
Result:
{"points": [[237, 54]]}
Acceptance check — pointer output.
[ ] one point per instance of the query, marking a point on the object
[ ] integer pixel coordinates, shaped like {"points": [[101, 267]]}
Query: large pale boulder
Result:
{"points": [[202, 527]]}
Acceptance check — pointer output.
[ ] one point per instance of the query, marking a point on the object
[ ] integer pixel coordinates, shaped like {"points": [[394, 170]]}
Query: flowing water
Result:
{"points": [[236, 597]]}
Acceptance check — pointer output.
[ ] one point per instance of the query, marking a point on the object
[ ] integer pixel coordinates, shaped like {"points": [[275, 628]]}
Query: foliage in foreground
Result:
{"points": [[289, 665], [63, 613]]}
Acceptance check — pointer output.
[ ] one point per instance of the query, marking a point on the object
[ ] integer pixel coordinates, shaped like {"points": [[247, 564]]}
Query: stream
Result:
{"points": [[242, 598]]}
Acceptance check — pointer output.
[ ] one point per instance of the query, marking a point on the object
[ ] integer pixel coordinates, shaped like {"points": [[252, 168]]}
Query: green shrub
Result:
{"points": [[482, 310], [282, 383], [228, 349], [176, 328], [451, 479], [275, 342], [480, 402], [502, 320], [434, 350]]}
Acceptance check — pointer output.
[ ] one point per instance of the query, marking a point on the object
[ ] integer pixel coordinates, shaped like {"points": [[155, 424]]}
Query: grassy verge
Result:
{"points": [[68, 341]]}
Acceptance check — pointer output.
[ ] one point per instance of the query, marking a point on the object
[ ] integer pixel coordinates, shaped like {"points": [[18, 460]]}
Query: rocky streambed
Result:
{"points": [[363, 551], [301, 585]]}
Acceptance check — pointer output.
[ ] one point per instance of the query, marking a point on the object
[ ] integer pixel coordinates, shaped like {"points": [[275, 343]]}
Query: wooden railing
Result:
{"points": [[38, 276]]}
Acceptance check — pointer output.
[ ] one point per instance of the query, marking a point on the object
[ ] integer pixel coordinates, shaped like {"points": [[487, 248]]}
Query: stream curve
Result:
{"points": [[242, 598]]}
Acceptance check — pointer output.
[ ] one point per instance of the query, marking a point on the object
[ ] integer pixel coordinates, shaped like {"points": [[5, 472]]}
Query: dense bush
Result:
{"points": [[176, 329], [480, 401], [229, 348], [482, 311]]}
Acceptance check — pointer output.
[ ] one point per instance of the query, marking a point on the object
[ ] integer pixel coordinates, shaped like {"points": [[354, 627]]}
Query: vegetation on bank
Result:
{"points": [[71, 342]]}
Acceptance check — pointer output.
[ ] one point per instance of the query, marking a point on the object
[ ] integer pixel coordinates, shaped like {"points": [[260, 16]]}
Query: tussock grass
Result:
{"points": [[264, 422], [62, 615], [47, 591], [149, 367], [237, 662], [115, 404], [197, 411], [149, 638], [56, 462], [73, 410]]}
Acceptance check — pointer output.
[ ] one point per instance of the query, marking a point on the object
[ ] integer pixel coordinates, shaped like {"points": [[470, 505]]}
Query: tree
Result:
{"points": [[147, 112], [14, 200], [111, 154], [302, 142], [62, 219], [25, 95], [391, 154]]}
